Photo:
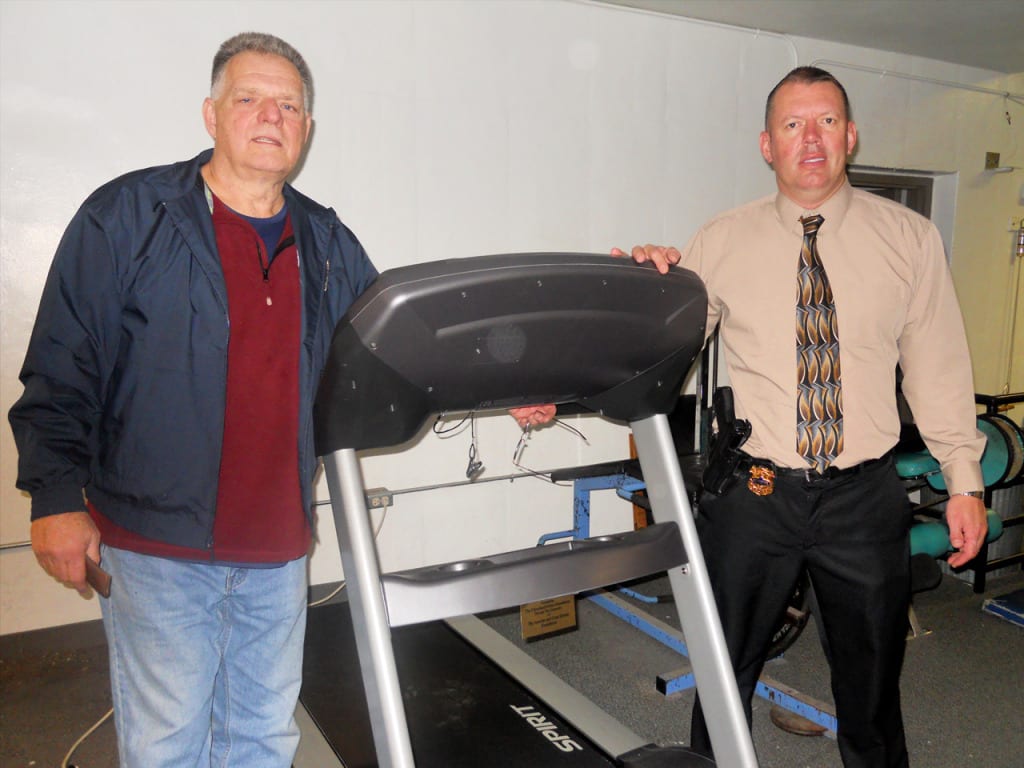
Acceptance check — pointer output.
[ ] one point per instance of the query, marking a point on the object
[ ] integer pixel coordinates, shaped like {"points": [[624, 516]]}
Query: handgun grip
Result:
{"points": [[97, 578]]}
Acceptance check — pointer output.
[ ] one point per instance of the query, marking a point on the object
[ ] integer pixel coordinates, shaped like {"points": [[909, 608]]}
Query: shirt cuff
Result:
{"points": [[962, 477], [57, 500]]}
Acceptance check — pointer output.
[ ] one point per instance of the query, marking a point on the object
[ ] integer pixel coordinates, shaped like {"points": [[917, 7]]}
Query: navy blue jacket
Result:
{"points": [[126, 368]]}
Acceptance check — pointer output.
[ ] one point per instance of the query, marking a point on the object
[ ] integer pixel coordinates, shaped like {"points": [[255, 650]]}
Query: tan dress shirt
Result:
{"points": [[894, 302]]}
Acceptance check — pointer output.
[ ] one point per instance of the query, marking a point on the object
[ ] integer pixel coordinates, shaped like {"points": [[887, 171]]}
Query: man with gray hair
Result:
{"points": [[165, 430]]}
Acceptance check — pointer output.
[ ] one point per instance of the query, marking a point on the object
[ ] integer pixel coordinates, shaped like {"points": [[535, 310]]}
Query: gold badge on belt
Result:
{"points": [[761, 481]]}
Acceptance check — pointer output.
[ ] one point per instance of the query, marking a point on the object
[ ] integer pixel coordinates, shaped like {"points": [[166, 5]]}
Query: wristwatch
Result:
{"points": [[975, 494]]}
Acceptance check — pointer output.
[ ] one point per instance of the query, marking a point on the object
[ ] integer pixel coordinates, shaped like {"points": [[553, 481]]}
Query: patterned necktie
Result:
{"points": [[819, 427]]}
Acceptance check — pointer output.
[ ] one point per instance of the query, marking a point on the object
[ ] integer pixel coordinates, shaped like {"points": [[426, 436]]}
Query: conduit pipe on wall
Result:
{"points": [[1016, 270], [716, 24], [1016, 97]]}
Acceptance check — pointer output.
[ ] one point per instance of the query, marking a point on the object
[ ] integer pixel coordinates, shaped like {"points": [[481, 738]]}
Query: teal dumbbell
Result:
{"points": [[932, 538]]}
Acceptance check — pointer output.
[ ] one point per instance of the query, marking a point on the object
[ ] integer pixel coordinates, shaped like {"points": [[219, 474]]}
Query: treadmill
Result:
{"points": [[590, 333]]}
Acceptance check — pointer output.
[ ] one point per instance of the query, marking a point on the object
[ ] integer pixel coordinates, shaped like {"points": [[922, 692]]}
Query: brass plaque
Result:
{"points": [[546, 617]]}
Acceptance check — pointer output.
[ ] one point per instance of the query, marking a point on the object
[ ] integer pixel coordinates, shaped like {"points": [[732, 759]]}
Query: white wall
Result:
{"points": [[454, 129]]}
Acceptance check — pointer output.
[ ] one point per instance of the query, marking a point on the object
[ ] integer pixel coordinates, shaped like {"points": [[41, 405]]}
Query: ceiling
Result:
{"points": [[988, 34]]}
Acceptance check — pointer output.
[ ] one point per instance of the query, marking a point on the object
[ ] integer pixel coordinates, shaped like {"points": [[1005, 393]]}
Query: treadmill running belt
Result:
{"points": [[463, 711]]}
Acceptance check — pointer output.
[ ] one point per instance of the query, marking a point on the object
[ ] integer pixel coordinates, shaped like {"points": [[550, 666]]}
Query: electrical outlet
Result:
{"points": [[991, 160], [1016, 223], [378, 498]]}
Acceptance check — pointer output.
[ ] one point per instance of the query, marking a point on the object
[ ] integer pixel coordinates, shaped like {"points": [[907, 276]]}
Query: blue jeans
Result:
{"points": [[205, 661]]}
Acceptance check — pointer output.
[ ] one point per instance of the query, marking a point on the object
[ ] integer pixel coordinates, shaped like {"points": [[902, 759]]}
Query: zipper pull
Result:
{"points": [[264, 269]]}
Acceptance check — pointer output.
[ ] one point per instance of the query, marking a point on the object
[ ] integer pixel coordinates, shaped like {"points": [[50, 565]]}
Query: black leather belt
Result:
{"points": [[808, 474]]}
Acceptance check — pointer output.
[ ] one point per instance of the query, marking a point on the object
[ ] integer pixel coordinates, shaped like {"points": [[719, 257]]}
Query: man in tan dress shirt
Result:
{"points": [[848, 525]]}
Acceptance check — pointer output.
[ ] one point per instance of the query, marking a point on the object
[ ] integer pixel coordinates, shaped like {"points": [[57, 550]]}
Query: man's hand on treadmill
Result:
{"points": [[529, 416], [661, 256]]}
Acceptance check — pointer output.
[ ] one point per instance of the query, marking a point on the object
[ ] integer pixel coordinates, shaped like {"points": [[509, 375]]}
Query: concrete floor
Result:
{"points": [[963, 686]]}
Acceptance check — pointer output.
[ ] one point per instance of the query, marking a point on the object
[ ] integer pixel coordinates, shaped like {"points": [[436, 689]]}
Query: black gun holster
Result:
{"points": [[724, 454]]}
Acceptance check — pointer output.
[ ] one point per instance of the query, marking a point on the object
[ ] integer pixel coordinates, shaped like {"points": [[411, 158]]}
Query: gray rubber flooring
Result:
{"points": [[963, 685]]}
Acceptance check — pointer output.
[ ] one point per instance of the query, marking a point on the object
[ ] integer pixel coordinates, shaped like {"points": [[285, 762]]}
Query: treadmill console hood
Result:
{"points": [[495, 332]]}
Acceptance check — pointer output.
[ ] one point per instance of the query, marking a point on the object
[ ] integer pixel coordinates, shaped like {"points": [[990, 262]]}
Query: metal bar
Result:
{"points": [[555, 536], [511, 477], [1002, 562], [816, 711], [650, 626], [676, 681], [679, 680], [16, 545], [581, 509], [777, 693], [636, 595], [369, 613], [698, 614], [994, 402]]}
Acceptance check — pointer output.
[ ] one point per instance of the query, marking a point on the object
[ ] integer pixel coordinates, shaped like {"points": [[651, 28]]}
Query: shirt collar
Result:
{"points": [[834, 210]]}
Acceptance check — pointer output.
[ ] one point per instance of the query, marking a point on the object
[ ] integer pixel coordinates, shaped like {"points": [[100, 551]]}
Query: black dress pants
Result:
{"points": [[851, 534]]}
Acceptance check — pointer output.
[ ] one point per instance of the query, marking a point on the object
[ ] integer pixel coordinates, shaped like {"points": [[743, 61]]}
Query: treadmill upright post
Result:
{"points": [[695, 602], [369, 612]]}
